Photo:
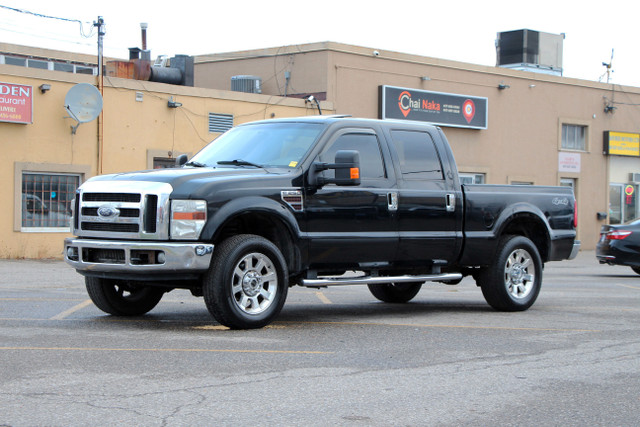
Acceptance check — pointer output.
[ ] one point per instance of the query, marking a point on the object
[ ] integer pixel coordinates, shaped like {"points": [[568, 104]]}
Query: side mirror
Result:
{"points": [[181, 160], [347, 167]]}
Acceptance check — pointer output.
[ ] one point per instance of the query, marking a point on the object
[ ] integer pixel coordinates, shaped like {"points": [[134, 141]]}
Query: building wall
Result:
{"points": [[522, 142], [136, 125], [307, 70]]}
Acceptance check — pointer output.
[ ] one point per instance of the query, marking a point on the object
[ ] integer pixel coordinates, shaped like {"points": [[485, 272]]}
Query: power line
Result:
{"points": [[40, 15]]}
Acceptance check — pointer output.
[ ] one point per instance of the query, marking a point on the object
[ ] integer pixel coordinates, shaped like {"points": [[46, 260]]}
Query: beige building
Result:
{"points": [[520, 128], [45, 160], [539, 128]]}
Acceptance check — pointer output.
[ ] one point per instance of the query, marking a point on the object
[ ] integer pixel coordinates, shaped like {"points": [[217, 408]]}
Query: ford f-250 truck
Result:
{"points": [[284, 202]]}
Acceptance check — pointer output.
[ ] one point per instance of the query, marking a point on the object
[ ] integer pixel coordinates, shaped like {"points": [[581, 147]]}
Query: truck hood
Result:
{"points": [[185, 180]]}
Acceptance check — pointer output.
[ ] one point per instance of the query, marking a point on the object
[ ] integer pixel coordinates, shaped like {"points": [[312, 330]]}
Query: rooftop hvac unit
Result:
{"points": [[530, 50], [248, 84]]}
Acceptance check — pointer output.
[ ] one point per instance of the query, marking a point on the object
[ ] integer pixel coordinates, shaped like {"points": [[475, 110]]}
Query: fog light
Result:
{"points": [[201, 250], [161, 258], [72, 253]]}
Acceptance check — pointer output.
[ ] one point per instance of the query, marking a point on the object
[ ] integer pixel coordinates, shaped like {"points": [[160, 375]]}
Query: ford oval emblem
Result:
{"points": [[108, 212]]}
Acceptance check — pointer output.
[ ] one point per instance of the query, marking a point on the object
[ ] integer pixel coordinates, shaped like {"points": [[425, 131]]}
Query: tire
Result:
{"points": [[122, 298], [636, 270], [395, 293], [247, 282], [512, 282]]}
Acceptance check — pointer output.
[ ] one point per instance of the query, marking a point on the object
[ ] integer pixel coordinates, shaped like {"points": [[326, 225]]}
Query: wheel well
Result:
{"points": [[265, 225], [532, 228]]}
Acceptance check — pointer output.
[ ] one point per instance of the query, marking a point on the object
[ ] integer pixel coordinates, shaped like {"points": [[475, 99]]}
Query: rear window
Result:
{"points": [[417, 155]]}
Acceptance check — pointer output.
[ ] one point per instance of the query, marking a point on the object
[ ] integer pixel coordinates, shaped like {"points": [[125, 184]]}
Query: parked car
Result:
{"points": [[620, 245]]}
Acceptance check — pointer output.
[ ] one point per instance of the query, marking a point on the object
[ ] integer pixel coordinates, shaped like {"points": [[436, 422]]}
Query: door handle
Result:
{"points": [[451, 202], [392, 201]]}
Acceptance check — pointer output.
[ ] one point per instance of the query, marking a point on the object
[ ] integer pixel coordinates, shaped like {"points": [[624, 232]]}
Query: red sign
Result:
{"points": [[16, 103], [468, 110]]}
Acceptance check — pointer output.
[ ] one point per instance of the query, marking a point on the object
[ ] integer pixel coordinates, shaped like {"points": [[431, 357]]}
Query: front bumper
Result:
{"points": [[127, 257]]}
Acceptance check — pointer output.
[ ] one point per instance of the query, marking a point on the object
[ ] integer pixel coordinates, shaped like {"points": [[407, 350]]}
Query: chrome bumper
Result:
{"points": [[117, 256], [575, 250]]}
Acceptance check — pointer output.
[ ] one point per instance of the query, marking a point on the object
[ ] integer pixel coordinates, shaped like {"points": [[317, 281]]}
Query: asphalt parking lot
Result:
{"points": [[334, 356]]}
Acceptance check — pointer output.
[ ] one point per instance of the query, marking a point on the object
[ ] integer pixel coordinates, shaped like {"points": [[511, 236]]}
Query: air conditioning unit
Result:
{"points": [[634, 177], [247, 84]]}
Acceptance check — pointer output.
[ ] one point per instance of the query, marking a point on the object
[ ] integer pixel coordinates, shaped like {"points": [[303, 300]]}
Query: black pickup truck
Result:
{"points": [[313, 201]]}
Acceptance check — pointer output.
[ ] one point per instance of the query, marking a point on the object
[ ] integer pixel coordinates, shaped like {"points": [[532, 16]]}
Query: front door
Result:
{"points": [[354, 224]]}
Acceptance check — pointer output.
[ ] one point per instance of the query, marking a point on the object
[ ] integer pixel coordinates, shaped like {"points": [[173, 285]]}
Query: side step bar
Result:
{"points": [[378, 280]]}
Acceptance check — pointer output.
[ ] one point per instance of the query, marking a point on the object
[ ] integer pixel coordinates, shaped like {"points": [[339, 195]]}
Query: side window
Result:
{"points": [[371, 162], [417, 155]]}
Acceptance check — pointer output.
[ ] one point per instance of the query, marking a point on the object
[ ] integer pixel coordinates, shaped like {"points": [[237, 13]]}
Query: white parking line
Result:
{"points": [[72, 310]]}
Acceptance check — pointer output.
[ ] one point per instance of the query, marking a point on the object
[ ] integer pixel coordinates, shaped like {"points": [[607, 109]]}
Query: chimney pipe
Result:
{"points": [[143, 26]]}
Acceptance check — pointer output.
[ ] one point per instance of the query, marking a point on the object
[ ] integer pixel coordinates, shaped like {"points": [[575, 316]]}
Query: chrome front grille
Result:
{"points": [[122, 209]]}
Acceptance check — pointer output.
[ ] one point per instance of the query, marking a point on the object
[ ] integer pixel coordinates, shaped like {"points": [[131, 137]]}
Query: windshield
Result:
{"points": [[260, 145]]}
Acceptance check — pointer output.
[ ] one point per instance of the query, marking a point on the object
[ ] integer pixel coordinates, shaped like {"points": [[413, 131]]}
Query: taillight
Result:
{"points": [[618, 234], [575, 214]]}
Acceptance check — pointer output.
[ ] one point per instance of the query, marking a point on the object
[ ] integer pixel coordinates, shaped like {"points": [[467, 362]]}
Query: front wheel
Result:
{"points": [[513, 279], [395, 292], [247, 282], [122, 298]]}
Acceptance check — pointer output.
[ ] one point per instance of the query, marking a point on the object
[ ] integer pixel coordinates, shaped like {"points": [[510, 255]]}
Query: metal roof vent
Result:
{"points": [[248, 84]]}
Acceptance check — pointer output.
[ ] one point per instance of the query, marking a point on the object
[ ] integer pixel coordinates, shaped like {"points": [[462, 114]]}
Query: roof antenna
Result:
{"points": [[609, 68]]}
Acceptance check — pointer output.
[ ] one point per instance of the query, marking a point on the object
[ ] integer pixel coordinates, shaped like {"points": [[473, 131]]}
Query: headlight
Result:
{"points": [[187, 218]]}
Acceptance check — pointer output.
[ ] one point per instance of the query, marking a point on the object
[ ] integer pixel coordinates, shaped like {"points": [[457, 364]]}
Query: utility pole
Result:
{"points": [[101, 32]]}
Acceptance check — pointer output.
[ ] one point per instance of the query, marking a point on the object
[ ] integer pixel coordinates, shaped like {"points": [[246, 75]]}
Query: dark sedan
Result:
{"points": [[620, 245]]}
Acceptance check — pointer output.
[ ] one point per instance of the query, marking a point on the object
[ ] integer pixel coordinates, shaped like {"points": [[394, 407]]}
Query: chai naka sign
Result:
{"points": [[16, 103], [444, 109]]}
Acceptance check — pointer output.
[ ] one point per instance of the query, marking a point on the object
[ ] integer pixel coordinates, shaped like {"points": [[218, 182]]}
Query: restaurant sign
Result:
{"points": [[16, 103], [443, 109]]}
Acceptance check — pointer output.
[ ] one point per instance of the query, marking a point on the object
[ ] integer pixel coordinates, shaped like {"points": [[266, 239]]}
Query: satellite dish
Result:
{"points": [[84, 103]]}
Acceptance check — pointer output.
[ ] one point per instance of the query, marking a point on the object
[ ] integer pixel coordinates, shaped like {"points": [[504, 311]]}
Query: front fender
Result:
{"points": [[250, 204]]}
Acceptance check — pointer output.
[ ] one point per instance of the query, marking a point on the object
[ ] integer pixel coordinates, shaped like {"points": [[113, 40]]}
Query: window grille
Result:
{"points": [[47, 199]]}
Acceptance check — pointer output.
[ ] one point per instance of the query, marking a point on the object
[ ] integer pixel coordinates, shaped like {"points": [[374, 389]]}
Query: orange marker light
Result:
{"points": [[189, 215], [355, 173]]}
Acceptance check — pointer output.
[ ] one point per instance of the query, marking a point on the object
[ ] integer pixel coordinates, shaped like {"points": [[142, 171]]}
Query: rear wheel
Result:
{"points": [[395, 292], [513, 279], [122, 298], [247, 282]]}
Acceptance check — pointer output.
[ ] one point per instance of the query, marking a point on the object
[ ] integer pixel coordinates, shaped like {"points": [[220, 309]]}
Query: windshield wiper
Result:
{"points": [[240, 162], [196, 164]]}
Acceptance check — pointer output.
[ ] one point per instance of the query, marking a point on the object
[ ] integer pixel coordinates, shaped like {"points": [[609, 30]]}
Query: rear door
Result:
{"points": [[429, 207], [354, 224]]}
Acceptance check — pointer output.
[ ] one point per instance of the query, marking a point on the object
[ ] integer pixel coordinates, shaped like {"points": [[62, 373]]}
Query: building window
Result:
{"points": [[43, 195], [472, 178], [623, 206], [220, 123], [47, 199], [574, 137], [164, 162]]}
